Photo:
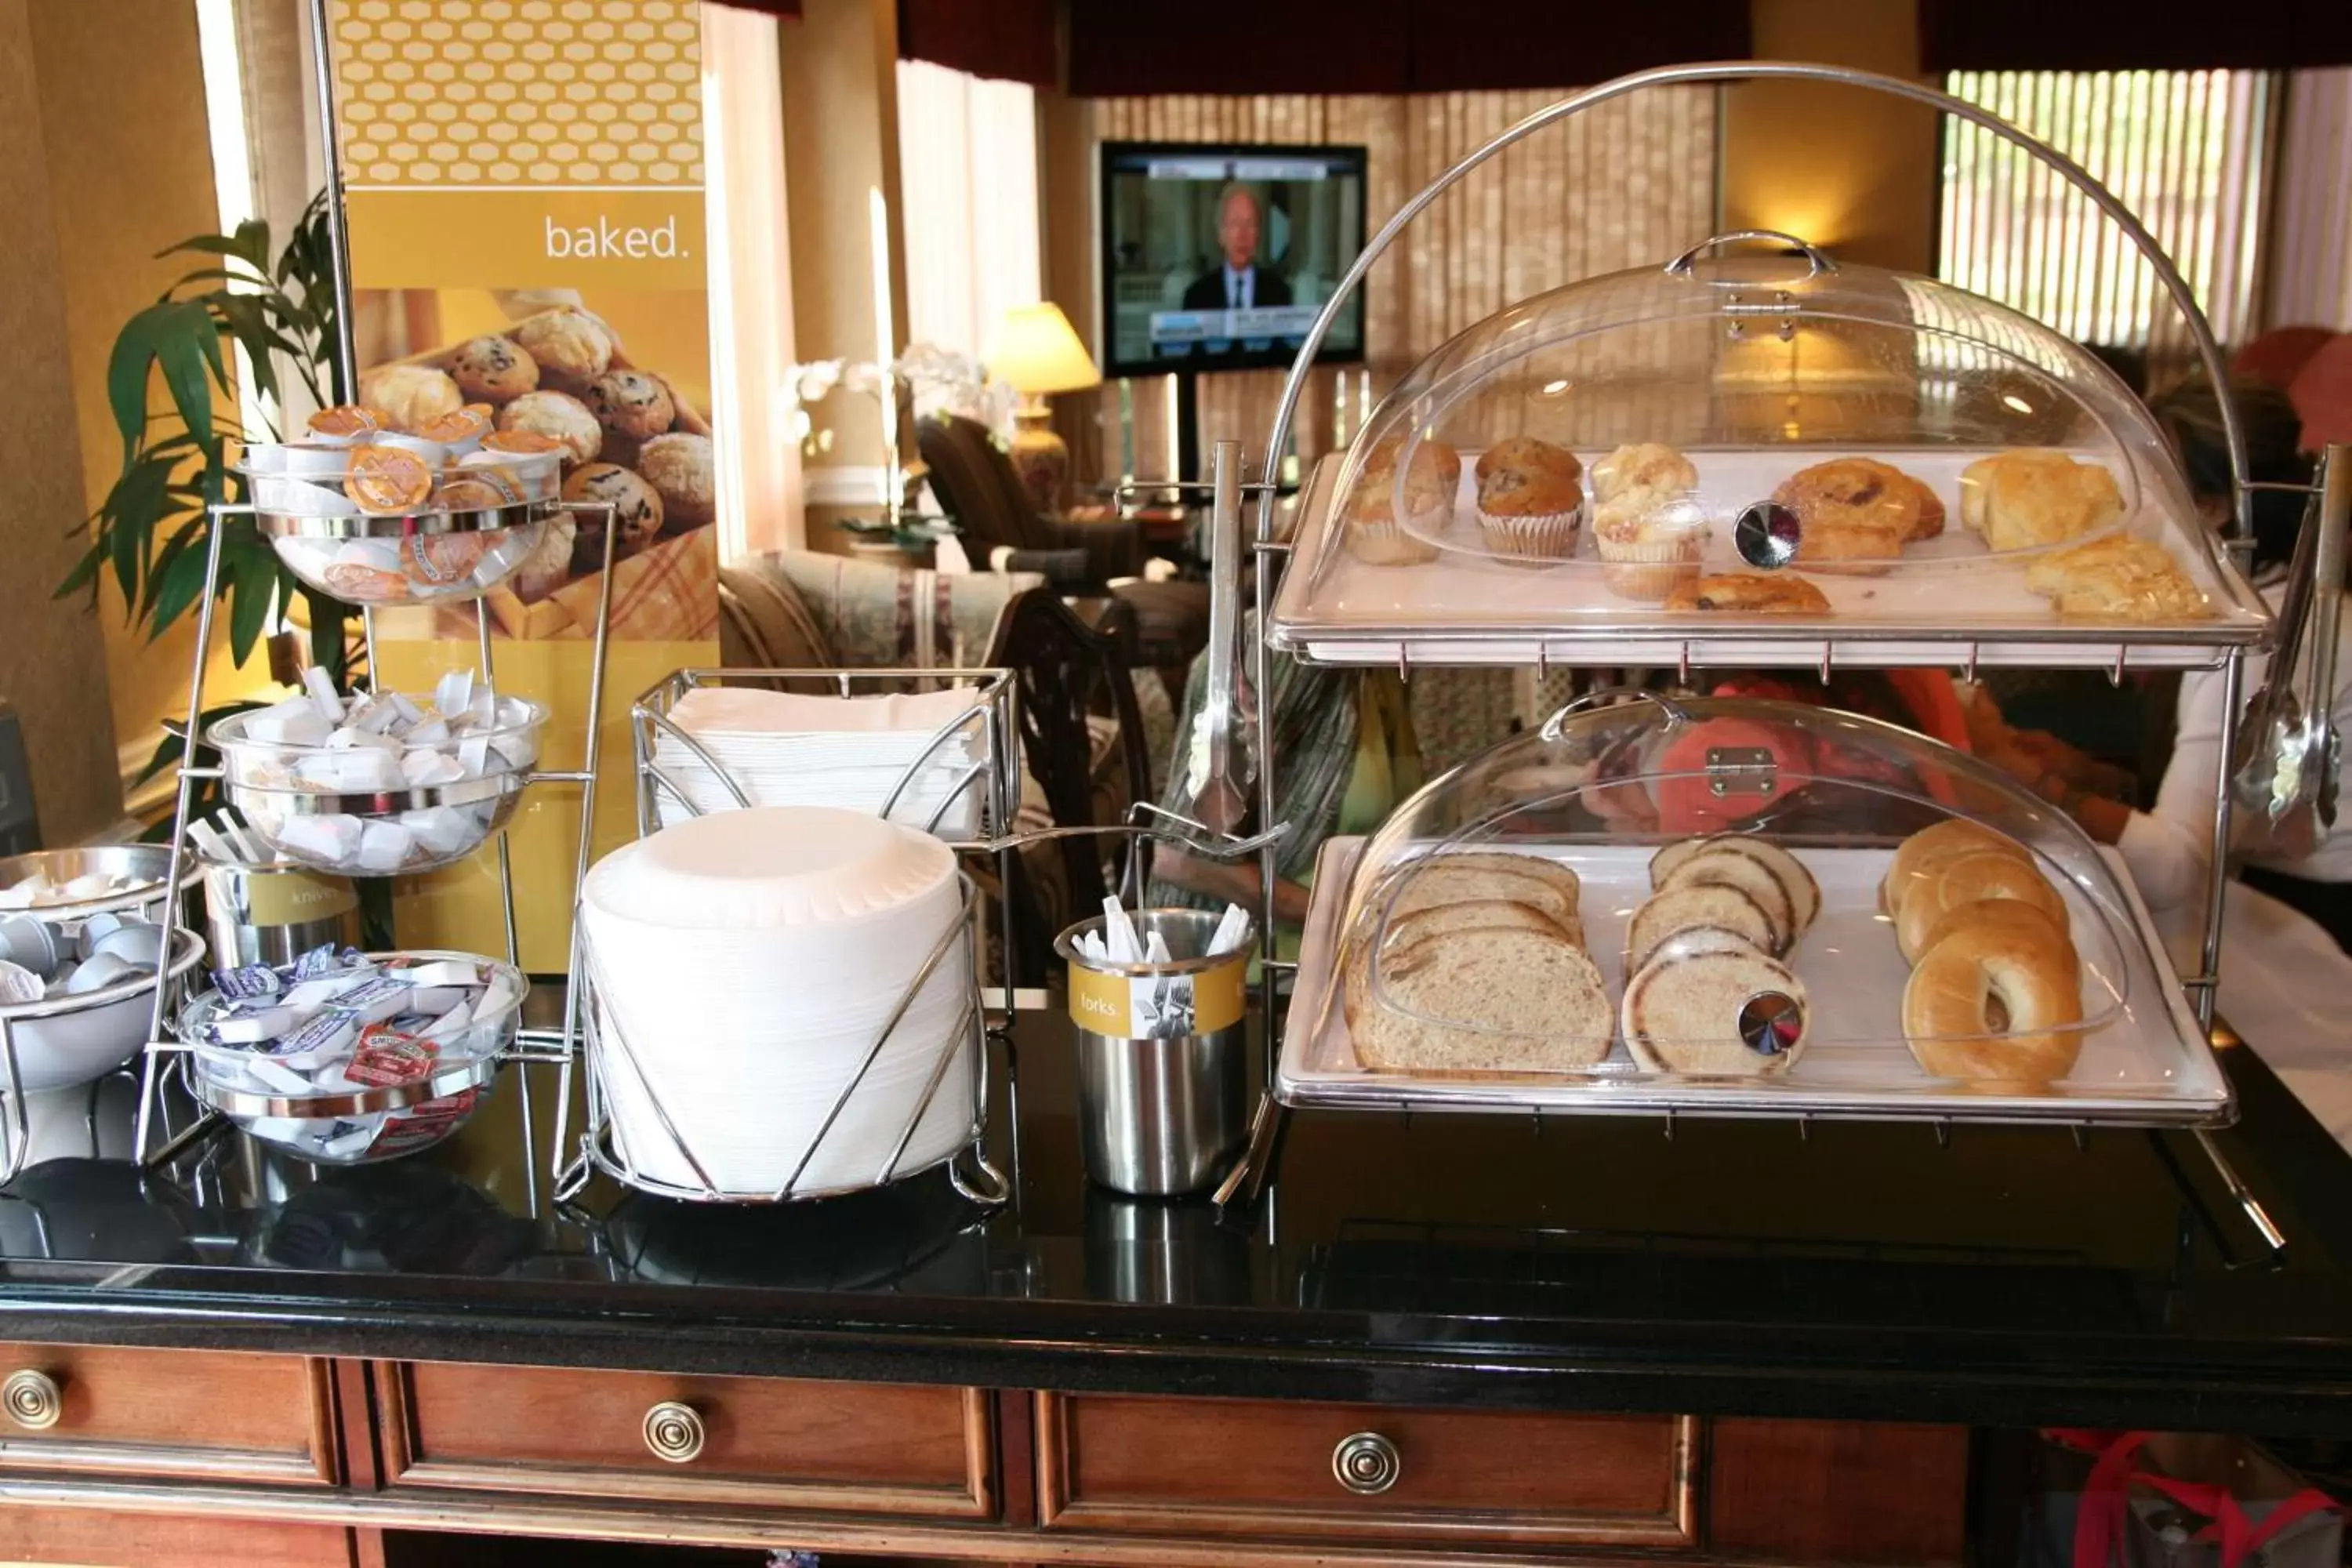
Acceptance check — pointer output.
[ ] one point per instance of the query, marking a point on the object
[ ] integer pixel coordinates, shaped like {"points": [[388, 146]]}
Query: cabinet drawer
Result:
{"points": [[92, 1539], [1838, 1491], [198, 1413], [1244, 1467], [858, 1448]]}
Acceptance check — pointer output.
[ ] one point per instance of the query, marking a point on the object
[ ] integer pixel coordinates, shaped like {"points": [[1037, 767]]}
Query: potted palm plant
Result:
{"points": [[152, 531]]}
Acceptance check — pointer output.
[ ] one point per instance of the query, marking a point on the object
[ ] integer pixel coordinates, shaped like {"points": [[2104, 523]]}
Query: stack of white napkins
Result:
{"points": [[847, 752]]}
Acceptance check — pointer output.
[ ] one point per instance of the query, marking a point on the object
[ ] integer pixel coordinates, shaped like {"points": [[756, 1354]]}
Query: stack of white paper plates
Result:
{"points": [[745, 964], [845, 752]]}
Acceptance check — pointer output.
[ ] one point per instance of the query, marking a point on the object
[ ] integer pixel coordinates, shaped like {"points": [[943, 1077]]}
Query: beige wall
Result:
{"points": [[1852, 170], [120, 93], [52, 659], [841, 145]]}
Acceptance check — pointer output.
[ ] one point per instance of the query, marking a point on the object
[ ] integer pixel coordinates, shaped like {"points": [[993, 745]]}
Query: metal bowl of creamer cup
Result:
{"points": [[275, 911], [1162, 1056]]}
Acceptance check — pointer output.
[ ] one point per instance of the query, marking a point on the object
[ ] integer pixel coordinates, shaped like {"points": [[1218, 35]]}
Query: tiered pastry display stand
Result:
{"points": [[165, 1053], [1384, 616]]}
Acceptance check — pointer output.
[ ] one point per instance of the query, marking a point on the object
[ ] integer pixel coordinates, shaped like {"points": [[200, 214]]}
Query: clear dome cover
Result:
{"points": [[1758, 440], [1757, 896]]}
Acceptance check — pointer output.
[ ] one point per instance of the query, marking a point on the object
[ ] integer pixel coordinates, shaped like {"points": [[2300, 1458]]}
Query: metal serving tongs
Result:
{"points": [[2288, 748]]}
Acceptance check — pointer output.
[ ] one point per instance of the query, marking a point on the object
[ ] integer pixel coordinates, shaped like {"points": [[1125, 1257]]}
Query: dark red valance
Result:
{"points": [[2133, 34], [1124, 47], [772, 7], [1012, 40]]}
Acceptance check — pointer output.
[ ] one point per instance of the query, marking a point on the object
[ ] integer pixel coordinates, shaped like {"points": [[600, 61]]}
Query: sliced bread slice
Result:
{"points": [[1683, 1014], [1476, 914], [1479, 1000], [1804, 893], [1433, 883], [1725, 865], [1412, 931], [1522, 864], [1689, 907]]}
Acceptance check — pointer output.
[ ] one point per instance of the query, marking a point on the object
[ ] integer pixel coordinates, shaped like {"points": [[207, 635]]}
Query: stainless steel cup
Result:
{"points": [[1162, 1057], [274, 913]]}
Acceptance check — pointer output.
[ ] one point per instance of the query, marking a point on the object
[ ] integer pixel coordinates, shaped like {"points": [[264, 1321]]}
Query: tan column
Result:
{"points": [[848, 270], [1855, 171], [104, 112]]}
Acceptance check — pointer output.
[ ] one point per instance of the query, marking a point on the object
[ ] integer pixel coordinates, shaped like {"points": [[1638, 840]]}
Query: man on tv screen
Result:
{"points": [[1237, 283]]}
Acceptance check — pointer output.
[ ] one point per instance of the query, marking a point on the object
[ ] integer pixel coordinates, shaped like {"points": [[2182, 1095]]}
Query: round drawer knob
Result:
{"points": [[674, 1432], [1366, 1463], [32, 1399]]}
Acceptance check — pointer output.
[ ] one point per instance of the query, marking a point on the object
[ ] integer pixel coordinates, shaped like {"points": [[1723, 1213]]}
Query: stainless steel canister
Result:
{"points": [[1162, 1050], [275, 913]]}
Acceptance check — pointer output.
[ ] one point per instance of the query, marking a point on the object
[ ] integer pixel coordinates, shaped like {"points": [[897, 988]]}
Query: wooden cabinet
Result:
{"points": [[215, 1414], [908, 1450], [262, 1461], [1363, 1473], [92, 1539], [1838, 1491]]}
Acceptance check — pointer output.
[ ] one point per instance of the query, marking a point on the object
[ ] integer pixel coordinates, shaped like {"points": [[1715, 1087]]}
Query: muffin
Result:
{"points": [[571, 348], [1646, 526], [560, 417], [409, 396], [683, 468], [1643, 465], [637, 509], [1530, 499], [492, 369], [631, 403], [1649, 542], [1374, 534], [1525, 452]]}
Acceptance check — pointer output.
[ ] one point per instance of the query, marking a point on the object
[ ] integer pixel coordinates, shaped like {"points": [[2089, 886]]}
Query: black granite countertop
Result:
{"points": [[2002, 1277]]}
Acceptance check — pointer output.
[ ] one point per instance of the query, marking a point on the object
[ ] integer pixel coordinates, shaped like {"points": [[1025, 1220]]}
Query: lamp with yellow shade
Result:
{"points": [[1037, 353]]}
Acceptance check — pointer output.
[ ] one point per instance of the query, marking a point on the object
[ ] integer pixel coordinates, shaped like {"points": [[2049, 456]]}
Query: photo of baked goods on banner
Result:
{"points": [[530, 295], [545, 372], [612, 387]]}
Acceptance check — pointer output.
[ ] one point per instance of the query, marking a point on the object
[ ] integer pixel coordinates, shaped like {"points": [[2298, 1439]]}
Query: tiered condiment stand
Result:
{"points": [[163, 1050], [1317, 603]]}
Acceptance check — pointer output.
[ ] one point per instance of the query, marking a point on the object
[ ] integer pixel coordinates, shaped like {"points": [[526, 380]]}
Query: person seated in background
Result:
{"points": [[1237, 283], [2169, 845]]}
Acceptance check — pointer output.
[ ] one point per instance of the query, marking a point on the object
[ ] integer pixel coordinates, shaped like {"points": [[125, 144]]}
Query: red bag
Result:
{"points": [[2105, 1512]]}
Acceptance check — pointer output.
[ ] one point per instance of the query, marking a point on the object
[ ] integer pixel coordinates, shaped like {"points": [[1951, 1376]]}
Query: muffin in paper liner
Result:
{"points": [[1532, 538], [1649, 560], [1381, 542]]}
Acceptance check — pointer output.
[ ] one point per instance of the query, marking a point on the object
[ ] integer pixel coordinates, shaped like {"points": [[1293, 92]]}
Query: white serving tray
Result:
{"points": [[2148, 1065], [1948, 603]]}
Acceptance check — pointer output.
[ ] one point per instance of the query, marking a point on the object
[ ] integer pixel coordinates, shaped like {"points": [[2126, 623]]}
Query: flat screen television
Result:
{"points": [[1217, 257]]}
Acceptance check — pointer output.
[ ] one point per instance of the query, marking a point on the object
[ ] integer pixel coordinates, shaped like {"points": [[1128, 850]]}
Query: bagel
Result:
{"points": [[1691, 907], [1947, 885], [1954, 836], [1682, 1011], [2002, 914], [1750, 593], [1994, 1002], [1718, 863]]}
